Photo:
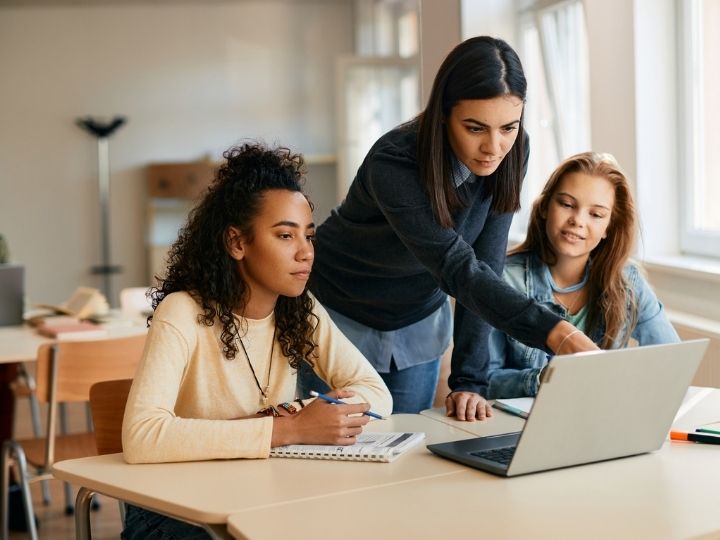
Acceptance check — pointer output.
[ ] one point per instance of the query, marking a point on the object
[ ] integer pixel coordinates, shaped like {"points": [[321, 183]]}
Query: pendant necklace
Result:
{"points": [[569, 308], [576, 288], [263, 391]]}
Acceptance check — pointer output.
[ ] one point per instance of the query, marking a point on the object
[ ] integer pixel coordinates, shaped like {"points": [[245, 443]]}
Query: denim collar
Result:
{"points": [[538, 286], [539, 289]]}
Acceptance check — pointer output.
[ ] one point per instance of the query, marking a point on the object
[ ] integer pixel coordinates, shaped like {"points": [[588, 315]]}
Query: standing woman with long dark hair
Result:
{"points": [[427, 216]]}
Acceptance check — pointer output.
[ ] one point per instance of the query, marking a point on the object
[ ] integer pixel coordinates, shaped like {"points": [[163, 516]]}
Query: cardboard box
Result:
{"points": [[180, 180]]}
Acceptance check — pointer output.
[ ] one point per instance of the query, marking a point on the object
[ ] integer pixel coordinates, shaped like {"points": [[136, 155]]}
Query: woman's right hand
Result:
{"points": [[564, 338], [320, 422]]}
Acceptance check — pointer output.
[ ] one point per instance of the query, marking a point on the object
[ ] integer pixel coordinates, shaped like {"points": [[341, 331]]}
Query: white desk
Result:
{"points": [[672, 493], [669, 494], [19, 344], [499, 422], [700, 406], [666, 495], [208, 492]]}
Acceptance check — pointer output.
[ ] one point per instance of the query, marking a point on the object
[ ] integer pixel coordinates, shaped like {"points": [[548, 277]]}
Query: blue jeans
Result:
{"points": [[141, 524], [412, 389]]}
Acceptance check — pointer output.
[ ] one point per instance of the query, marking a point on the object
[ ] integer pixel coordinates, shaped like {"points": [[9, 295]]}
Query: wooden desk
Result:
{"points": [[208, 492], [669, 494]]}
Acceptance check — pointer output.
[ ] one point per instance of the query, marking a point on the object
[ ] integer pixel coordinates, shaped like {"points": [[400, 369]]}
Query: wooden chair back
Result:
{"points": [[80, 364], [107, 402], [65, 372]]}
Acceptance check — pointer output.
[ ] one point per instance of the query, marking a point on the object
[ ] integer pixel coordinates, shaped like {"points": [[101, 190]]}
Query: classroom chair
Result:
{"points": [[24, 387], [65, 372], [134, 302], [107, 403]]}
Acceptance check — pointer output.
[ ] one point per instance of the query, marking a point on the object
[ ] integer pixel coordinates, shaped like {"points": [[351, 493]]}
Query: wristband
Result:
{"points": [[291, 409], [269, 411]]}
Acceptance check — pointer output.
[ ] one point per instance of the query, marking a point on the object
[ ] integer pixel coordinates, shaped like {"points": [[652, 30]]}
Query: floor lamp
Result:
{"points": [[103, 131]]}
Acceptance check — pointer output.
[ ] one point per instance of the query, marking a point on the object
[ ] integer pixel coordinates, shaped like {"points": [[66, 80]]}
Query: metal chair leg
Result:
{"points": [[82, 514], [69, 506], [67, 489], [35, 419], [123, 509], [11, 448], [45, 489], [5, 491], [88, 417]]}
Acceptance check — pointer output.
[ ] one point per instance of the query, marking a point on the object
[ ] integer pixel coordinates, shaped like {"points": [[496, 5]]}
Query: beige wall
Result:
{"points": [[193, 78]]}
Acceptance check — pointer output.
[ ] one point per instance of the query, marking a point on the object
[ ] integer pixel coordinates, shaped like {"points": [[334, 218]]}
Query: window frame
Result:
{"points": [[693, 240]]}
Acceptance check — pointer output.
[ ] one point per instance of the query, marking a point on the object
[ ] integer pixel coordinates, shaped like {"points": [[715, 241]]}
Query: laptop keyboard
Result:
{"points": [[498, 455]]}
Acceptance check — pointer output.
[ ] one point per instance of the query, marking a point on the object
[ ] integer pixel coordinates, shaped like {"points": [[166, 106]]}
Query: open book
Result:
{"points": [[370, 446], [85, 301]]}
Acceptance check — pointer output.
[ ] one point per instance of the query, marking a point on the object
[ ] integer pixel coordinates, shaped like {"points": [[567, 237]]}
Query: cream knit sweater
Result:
{"points": [[186, 394]]}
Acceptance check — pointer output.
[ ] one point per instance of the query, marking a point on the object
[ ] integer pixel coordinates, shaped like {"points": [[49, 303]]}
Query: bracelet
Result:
{"points": [[269, 411], [576, 331], [291, 409]]}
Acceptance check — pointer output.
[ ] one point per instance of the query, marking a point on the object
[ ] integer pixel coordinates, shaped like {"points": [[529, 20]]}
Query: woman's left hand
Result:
{"points": [[467, 406]]}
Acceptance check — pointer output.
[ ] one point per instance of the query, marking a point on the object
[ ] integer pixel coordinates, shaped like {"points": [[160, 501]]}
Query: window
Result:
{"points": [[378, 87], [553, 50], [700, 116]]}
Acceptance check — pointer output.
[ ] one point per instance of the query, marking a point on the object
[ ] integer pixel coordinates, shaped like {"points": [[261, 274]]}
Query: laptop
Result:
{"points": [[12, 292], [590, 407]]}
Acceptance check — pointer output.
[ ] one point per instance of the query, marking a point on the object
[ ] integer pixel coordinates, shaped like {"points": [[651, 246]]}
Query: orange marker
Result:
{"points": [[694, 437]]}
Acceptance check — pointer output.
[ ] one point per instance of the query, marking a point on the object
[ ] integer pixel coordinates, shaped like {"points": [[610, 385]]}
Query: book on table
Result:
{"points": [[70, 330], [370, 446], [84, 302]]}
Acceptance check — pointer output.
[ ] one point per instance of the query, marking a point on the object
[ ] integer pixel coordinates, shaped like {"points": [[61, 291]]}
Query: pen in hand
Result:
{"points": [[338, 402]]}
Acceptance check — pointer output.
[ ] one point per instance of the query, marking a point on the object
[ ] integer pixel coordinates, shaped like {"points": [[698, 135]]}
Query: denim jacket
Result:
{"points": [[514, 367]]}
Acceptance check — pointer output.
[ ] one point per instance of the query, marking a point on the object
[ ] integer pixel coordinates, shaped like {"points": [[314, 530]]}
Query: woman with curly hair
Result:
{"points": [[575, 261], [232, 322]]}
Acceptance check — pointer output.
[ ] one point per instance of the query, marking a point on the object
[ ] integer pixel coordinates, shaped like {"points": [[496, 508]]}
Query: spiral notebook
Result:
{"points": [[370, 446]]}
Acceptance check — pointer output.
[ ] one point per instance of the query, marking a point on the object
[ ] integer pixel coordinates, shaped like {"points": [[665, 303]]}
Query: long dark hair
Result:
{"points": [[611, 299], [479, 68], [199, 262]]}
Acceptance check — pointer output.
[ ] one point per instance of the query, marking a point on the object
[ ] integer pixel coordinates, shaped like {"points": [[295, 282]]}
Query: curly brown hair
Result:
{"points": [[200, 264]]}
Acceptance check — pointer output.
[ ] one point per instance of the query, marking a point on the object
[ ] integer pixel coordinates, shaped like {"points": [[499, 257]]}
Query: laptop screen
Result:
{"points": [[12, 292]]}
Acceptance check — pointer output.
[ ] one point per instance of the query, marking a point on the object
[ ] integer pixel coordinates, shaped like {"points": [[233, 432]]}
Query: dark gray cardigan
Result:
{"points": [[383, 260]]}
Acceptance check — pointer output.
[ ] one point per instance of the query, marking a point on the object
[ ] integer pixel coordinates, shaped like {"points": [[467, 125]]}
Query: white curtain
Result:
{"points": [[563, 42]]}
